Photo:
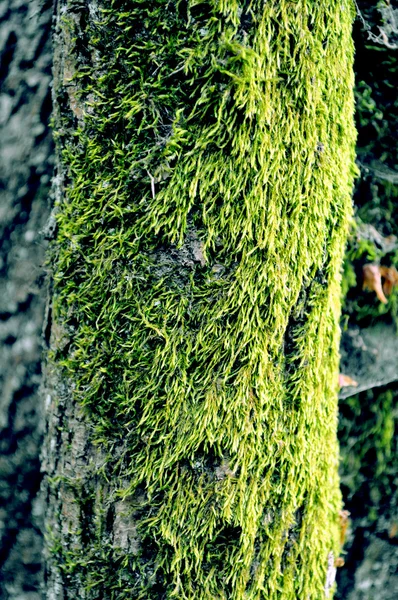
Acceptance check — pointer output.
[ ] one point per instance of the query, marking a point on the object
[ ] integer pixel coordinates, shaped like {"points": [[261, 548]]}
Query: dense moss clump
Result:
{"points": [[206, 157]]}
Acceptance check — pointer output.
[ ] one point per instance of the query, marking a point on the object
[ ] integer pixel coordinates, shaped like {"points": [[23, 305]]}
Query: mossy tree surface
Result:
{"points": [[205, 165]]}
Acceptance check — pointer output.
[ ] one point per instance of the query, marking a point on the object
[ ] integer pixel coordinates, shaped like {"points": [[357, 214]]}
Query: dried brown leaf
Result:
{"points": [[372, 281], [339, 562], [346, 381], [343, 521], [390, 276]]}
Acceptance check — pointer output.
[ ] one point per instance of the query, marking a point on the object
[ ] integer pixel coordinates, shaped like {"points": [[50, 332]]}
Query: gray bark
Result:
{"points": [[25, 172]]}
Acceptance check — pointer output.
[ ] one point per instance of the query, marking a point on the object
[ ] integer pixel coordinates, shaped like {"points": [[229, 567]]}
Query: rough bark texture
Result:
{"points": [[205, 163], [25, 171]]}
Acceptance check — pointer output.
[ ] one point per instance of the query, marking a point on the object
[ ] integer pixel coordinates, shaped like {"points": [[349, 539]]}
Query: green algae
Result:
{"points": [[207, 152]]}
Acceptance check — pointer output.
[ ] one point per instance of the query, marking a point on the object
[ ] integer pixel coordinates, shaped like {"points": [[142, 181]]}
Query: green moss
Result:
{"points": [[196, 270], [368, 468], [369, 454]]}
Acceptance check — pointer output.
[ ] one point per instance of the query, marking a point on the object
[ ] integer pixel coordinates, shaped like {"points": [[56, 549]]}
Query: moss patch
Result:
{"points": [[207, 150]]}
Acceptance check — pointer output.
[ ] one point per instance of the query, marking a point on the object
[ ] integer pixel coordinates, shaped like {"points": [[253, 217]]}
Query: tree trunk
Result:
{"points": [[205, 165]]}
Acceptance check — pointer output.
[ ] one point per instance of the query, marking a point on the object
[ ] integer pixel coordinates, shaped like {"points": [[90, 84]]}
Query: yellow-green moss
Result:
{"points": [[196, 272]]}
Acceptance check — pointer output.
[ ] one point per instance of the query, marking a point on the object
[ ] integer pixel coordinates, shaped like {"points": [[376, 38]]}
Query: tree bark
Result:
{"points": [[205, 166], [25, 173]]}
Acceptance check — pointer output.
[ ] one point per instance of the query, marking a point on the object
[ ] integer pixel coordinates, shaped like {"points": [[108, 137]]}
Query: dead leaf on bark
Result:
{"points": [[346, 381], [339, 562], [393, 531], [372, 281], [344, 522], [390, 276]]}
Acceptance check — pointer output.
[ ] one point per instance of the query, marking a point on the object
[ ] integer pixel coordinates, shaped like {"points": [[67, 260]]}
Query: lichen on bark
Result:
{"points": [[205, 156]]}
